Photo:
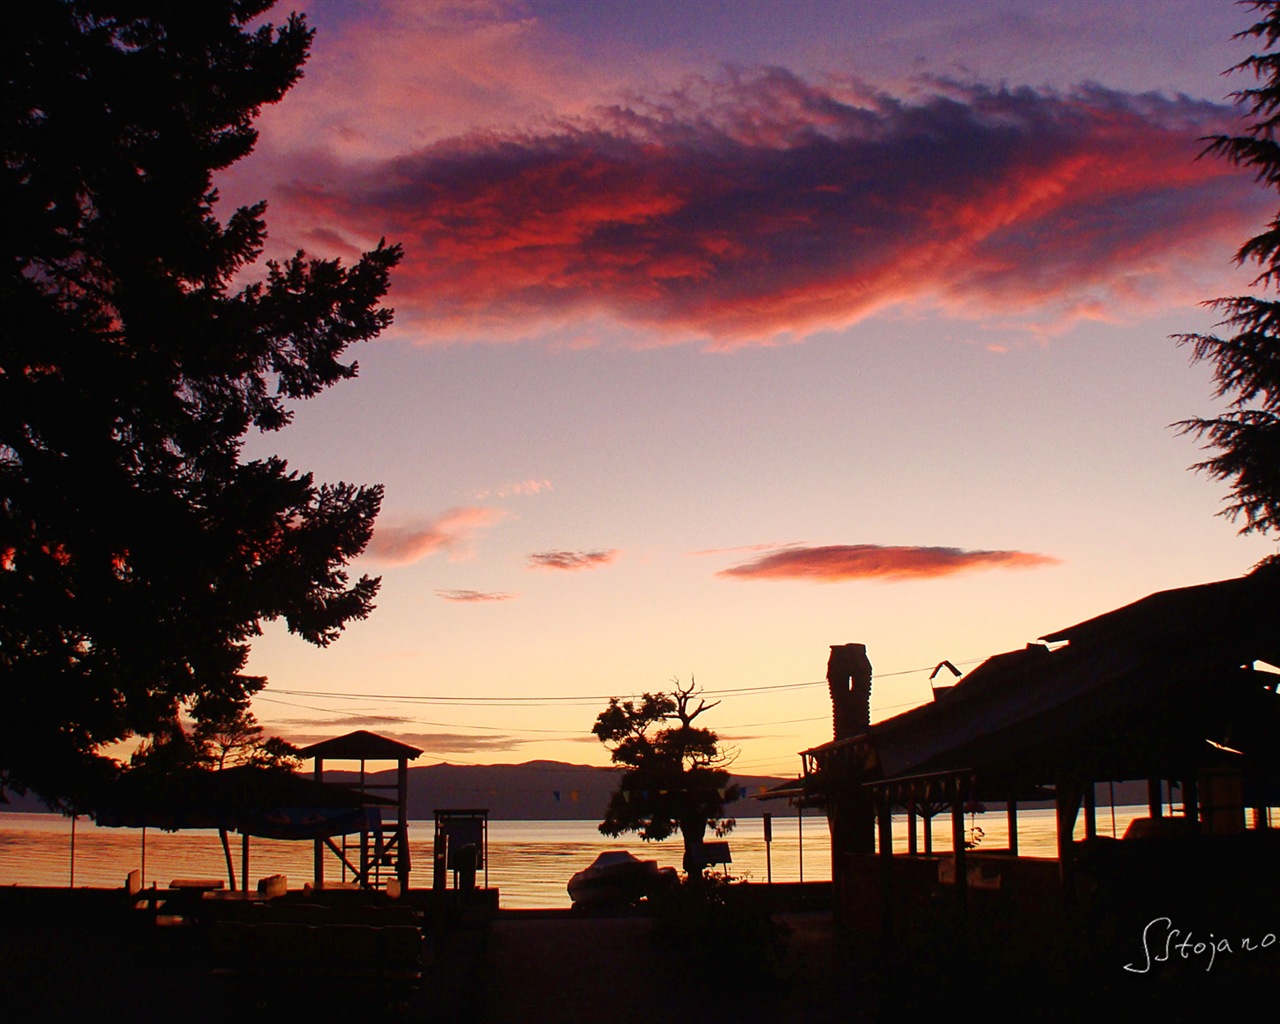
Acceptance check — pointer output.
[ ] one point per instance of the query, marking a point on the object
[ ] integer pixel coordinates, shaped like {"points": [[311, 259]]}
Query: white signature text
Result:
{"points": [[1161, 942]]}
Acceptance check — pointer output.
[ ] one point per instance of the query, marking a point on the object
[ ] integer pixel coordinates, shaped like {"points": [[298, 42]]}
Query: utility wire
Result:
{"points": [[550, 701]]}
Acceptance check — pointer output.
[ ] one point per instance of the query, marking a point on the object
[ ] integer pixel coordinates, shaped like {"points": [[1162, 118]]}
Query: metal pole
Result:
{"points": [[768, 846], [800, 836]]}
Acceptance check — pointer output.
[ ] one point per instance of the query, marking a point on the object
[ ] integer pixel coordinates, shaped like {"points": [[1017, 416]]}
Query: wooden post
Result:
{"points": [[768, 847], [1191, 803], [800, 835], [1155, 798], [884, 822], [1090, 812], [927, 814], [962, 862], [912, 842], [402, 827], [318, 864], [364, 879], [957, 826], [226, 856], [440, 860], [244, 862], [1011, 812], [1066, 806]]}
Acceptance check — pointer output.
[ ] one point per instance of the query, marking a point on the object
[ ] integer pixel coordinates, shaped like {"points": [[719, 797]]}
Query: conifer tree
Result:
{"points": [[139, 552], [1245, 438]]}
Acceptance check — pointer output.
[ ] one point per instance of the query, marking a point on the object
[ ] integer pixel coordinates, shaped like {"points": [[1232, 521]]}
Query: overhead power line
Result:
{"points": [[569, 700]]}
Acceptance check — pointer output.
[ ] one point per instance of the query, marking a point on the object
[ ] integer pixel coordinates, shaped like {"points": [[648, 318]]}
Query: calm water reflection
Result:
{"points": [[529, 861]]}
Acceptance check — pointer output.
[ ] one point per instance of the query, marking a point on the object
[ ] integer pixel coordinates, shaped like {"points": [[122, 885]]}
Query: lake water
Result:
{"points": [[529, 861]]}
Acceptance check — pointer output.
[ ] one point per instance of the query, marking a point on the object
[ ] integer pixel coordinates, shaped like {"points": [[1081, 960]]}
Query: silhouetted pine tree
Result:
{"points": [[138, 553], [1246, 361]]}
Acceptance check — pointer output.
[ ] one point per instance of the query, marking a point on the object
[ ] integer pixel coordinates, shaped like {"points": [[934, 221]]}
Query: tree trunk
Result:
{"points": [[693, 830], [226, 852]]}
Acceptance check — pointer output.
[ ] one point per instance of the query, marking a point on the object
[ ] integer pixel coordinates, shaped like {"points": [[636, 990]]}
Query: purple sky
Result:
{"points": [[729, 331]]}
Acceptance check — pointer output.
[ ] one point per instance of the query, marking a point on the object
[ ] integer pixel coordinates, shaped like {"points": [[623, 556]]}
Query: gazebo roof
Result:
{"points": [[361, 746], [240, 797]]}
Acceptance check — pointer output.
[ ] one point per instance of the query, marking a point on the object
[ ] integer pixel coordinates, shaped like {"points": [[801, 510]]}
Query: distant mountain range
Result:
{"points": [[533, 791]]}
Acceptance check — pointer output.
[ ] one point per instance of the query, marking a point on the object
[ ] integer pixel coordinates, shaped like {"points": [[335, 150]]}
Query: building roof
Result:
{"points": [[361, 746], [1158, 688]]}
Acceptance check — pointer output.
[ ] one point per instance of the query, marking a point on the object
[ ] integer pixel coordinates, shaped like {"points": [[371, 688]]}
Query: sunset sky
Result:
{"points": [[727, 331]]}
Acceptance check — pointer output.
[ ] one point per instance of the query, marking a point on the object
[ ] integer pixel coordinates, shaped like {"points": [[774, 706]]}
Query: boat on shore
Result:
{"points": [[617, 878]]}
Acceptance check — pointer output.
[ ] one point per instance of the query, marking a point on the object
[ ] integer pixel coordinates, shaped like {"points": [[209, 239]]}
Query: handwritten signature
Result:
{"points": [[1159, 944]]}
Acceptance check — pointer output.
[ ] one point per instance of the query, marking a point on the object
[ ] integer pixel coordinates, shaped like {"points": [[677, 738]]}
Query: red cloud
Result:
{"points": [[837, 562], [762, 204], [452, 531], [571, 561], [472, 596]]}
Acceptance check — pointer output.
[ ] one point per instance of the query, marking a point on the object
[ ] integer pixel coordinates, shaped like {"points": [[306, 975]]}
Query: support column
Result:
{"points": [[912, 844], [366, 876], [884, 823], [1067, 806], [402, 825], [318, 864], [1011, 812], [957, 826], [1191, 803], [962, 861]]}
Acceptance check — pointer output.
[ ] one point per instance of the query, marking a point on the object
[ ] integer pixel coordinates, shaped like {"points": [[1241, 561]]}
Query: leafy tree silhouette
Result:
{"points": [[1246, 361], [139, 554], [675, 773]]}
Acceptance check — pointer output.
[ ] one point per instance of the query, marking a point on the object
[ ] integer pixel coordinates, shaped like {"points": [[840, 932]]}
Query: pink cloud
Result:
{"points": [[571, 561], [452, 532], [760, 204], [433, 743], [524, 487], [739, 550], [386, 77], [473, 596], [839, 562]]}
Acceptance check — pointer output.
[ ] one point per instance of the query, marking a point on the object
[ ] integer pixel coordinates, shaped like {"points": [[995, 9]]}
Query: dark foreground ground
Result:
{"points": [[561, 968]]}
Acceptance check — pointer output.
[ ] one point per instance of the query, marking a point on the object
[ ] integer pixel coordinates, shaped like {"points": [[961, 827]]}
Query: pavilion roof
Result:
{"points": [[1156, 688], [361, 746]]}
